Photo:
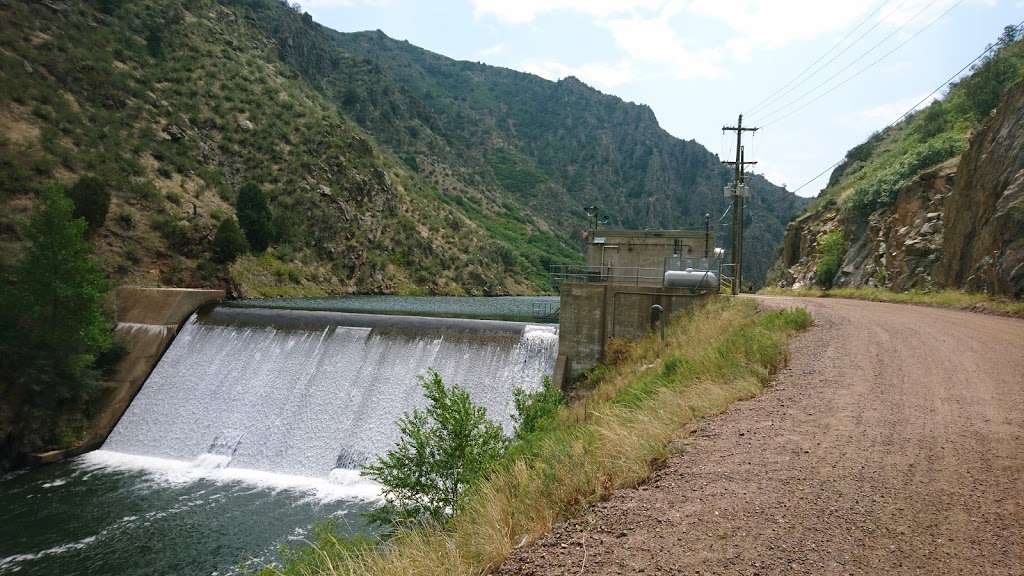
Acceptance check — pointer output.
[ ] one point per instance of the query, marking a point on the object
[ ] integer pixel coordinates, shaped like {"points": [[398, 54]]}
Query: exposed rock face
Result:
{"points": [[983, 249], [959, 224]]}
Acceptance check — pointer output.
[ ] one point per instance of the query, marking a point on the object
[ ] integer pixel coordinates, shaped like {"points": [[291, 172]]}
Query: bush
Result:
{"points": [[831, 251], [535, 409], [229, 242], [880, 190], [91, 198], [254, 217], [443, 449]]}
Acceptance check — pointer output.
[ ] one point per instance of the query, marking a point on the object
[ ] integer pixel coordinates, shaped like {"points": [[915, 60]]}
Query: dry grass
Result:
{"points": [[611, 438], [939, 298]]}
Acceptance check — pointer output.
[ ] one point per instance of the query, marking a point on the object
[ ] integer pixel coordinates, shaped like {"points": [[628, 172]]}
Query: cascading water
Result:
{"points": [[250, 430], [313, 395]]}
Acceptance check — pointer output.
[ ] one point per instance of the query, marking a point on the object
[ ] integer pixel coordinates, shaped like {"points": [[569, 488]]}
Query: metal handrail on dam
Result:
{"points": [[625, 275]]}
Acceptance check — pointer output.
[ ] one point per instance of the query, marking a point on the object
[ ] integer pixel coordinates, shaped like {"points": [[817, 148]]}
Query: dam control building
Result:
{"points": [[632, 282]]}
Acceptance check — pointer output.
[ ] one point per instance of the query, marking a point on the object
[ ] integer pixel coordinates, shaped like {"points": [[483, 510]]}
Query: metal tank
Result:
{"points": [[690, 278]]}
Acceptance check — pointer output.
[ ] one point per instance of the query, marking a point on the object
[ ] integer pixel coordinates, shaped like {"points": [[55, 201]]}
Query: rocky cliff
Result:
{"points": [[934, 202], [983, 247]]}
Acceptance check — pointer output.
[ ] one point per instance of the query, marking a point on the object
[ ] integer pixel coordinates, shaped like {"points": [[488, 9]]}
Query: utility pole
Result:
{"points": [[707, 238], [738, 193]]}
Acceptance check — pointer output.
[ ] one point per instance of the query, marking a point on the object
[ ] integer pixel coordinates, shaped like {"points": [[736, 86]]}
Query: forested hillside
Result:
{"points": [[481, 133], [935, 201], [379, 167]]}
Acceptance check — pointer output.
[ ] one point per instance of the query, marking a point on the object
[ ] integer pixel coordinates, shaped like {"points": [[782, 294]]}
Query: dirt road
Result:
{"points": [[892, 444]]}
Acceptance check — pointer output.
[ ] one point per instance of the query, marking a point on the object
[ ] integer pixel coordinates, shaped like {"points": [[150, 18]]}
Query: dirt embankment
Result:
{"points": [[892, 444]]}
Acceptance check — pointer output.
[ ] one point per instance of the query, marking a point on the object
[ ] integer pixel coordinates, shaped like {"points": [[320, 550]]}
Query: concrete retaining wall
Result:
{"points": [[590, 315], [147, 321]]}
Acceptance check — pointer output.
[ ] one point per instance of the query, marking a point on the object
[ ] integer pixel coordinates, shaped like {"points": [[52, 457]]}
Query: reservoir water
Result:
{"points": [[252, 428]]}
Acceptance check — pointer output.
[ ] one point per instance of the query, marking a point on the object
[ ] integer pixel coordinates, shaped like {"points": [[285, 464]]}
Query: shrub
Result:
{"points": [[254, 216], [535, 409], [91, 198], [831, 251], [229, 242], [443, 449]]}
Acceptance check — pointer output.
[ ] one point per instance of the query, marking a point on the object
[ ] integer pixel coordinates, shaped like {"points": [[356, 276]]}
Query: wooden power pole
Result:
{"points": [[738, 193]]}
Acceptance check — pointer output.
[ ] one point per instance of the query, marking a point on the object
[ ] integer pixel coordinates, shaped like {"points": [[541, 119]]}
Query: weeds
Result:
{"points": [[939, 298], [612, 438]]}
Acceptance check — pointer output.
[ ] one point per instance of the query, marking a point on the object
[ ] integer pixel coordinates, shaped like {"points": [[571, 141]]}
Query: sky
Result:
{"points": [[818, 76]]}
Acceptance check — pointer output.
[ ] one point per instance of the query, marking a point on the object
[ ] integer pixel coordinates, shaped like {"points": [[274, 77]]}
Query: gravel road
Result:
{"points": [[893, 443]]}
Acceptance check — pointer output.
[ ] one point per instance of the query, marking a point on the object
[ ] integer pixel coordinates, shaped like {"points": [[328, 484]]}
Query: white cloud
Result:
{"points": [[892, 110], [524, 11], [600, 74], [654, 40], [339, 3], [491, 50]]}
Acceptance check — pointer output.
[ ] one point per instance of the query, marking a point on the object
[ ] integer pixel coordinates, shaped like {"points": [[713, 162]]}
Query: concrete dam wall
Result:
{"points": [[314, 394]]}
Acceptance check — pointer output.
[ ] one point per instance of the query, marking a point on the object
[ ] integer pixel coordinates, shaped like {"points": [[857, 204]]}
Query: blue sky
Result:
{"points": [[699, 63]]}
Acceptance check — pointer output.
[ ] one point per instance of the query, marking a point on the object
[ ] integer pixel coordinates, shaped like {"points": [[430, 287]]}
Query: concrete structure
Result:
{"points": [[591, 314], [624, 277], [620, 250], [147, 320]]}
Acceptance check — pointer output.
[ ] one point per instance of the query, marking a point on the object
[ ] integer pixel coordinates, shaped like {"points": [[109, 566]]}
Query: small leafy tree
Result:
{"points": [[444, 448], [254, 216], [831, 251], [535, 409], [229, 242], [91, 198]]}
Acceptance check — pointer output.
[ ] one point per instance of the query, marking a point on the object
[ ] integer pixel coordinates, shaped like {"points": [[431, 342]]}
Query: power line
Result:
{"points": [[990, 48], [772, 97], [866, 68], [849, 65]]}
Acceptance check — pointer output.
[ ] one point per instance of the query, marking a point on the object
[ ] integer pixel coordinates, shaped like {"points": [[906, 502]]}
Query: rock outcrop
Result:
{"points": [[959, 224], [983, 248]]}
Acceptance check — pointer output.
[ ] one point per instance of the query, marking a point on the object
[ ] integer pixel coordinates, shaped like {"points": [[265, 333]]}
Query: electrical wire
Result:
{"points": [[763, 118], [866, 68], [776, 94], [1019, 28]]}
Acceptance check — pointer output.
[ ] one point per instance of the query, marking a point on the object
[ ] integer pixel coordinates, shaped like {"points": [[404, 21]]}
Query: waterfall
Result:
{"points": [[315, 395]]}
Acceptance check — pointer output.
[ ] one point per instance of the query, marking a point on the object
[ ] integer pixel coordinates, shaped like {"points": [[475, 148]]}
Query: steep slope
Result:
{"points": [[507, 139], [387, 168], [175, 105], [933, 202]]}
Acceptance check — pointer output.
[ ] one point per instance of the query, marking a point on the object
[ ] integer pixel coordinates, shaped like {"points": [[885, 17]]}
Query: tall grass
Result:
{"points": [[611, 437], [938, 298]]}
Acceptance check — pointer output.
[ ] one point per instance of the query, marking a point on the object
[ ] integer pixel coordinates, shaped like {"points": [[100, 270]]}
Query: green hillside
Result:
{"points": [[928, 202], [499, 135], [385, 168]]}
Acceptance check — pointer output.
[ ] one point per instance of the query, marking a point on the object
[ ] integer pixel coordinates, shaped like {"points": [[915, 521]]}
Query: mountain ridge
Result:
{"points": [[388, 168]]}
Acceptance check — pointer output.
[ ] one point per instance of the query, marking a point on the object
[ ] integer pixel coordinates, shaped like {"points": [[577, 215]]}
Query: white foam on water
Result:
{"points": [[340, 484], [302, 410], [10, 563]]}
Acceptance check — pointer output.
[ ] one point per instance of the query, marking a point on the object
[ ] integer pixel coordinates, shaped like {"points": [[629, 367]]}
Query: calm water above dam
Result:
{"points": [[251, 428]]}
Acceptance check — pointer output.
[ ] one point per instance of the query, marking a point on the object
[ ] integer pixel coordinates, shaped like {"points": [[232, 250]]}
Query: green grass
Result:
{"points": [[612, 437], [940, 298]]}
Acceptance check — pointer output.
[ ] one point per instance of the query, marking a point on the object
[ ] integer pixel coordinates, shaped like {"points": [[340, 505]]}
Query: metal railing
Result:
{"points": [[629, 275], [625, 275], [726, 277]]}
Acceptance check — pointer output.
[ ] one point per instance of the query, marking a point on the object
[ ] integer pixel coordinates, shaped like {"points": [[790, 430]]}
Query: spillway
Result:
{"points": [[308, 395]]}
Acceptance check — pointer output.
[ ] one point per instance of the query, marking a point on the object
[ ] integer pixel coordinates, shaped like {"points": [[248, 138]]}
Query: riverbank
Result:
{"points": [[613, 435], [956, 299]]}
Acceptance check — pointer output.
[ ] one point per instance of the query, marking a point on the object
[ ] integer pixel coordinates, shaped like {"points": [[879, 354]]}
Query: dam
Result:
{"points": [[251, 428]]}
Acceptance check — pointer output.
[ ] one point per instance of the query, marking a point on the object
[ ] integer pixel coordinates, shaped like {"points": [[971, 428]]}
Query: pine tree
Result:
{"points": [[91, 198], [254, 217], [229, 242]]}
